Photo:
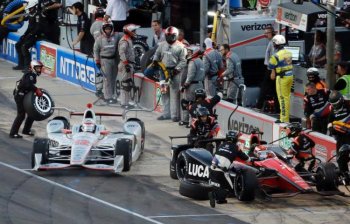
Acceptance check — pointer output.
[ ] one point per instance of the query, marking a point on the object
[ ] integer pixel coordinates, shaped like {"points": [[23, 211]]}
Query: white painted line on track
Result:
{"points": [[81, 193], [179, 216], [9, 77]]}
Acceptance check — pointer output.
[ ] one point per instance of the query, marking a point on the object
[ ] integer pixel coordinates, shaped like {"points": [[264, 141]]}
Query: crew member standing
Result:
{"points": [[50, 14], [83, 26], [126, 64], [107, 59], [194, 78], [232, 73], [172, 54], [24, 86], [316, 108], [34, 32], [212, 60], [96, 26], [281, 66]]}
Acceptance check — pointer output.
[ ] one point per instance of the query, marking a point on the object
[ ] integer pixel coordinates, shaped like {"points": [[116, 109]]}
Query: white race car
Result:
{"points": [[89, 144]]}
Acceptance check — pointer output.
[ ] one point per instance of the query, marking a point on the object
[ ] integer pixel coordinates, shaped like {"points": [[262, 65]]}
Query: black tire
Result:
{"points": [[147, 58], [140, 48], [38, 108], [172, 173], [181, 165], [123, 148], [326, 177], [143, 131], [41, 145], [245, 184], [194, 190], [66, 123]]}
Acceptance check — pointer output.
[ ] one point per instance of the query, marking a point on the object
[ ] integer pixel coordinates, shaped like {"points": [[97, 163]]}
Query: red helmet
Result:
{"points": [[171, 34], [34, 64], [130, 29], [107, 25]]}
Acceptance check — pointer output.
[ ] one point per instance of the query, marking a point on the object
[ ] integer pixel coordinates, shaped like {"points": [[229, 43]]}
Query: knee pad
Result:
{"points": [[127, 85]]}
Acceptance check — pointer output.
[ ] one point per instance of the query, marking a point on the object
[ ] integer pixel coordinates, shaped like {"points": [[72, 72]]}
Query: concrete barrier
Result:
{"points": [[77, 69]]}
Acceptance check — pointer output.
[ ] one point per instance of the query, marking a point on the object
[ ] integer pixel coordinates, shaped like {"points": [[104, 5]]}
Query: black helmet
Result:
{"points": [[295, 128], [336, 99], [312, 74], [99, 12], [200, 93], [232, 136], [202, 111]]}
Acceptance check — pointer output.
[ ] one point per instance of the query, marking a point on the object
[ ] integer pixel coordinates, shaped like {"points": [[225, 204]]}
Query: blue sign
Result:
{"points": [[8, 48], [76, 68]]}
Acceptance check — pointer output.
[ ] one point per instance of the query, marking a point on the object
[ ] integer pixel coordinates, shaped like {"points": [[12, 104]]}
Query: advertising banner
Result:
{"points": [[76, 68], [8, 48], [48, 58]]}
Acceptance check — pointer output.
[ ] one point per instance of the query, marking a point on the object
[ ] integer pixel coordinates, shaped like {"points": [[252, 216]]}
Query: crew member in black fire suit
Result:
{"points": [[34, 32], [227, 152], [83, 26], [203, 127], [316, 108], [301, 147], [49, 9], [339, 127], [23, 86], [201, 101]]}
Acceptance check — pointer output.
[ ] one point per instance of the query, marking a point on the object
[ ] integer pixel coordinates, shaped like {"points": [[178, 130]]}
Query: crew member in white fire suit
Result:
{"points": [[126, 64], [232, 73], [194, 79], [173, 54], [212, 60], [107, 59]]}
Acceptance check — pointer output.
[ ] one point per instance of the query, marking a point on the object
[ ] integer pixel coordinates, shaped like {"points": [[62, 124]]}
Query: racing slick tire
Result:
{"points": [[140, 48], [245, 184], [181, 165], [172, 173], [41, 145], [194, 190], [326, 177], [143, 132], [66, 123], [123, 147], [38, 107]]}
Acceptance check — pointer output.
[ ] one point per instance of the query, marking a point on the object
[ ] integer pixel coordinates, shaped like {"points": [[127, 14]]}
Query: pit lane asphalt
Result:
{"points": [[146, 192]]}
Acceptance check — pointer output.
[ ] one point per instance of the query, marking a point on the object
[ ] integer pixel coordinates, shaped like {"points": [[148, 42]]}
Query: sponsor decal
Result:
{"points": [[242, 126], [255, 26], [81, 142], [285, 143], [76, 69], [48, 58], [8, 48], [198, 170]]}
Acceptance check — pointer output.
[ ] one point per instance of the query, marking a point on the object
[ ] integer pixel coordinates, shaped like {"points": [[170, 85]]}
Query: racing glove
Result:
{"points": [[38, 92], [98, 64]]}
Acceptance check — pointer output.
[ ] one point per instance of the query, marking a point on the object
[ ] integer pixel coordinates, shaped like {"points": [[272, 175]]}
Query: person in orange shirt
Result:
{"points": [[313, 76]]}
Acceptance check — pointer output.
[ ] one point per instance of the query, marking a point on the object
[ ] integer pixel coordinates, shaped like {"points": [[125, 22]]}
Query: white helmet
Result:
{"points": [[130, 29], [34, 64], [171, 34], [88, 125], [279, 40], [195, 51], [30, 4]]}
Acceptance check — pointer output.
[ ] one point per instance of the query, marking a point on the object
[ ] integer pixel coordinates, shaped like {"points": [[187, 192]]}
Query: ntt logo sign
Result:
{"points": [[79, 71]]}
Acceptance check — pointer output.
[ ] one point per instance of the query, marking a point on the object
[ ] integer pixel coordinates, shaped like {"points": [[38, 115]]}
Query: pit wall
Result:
{"points": [[76, 68]]}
